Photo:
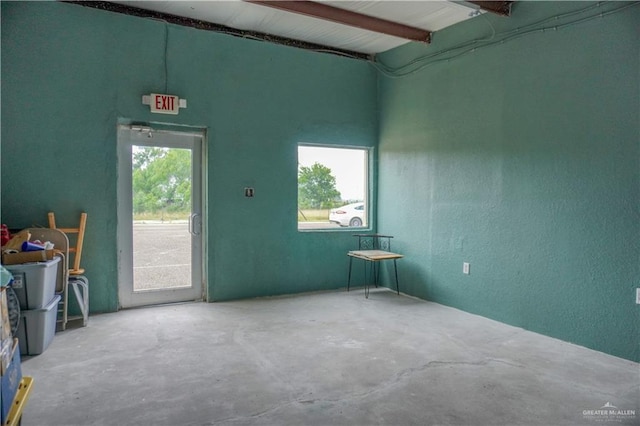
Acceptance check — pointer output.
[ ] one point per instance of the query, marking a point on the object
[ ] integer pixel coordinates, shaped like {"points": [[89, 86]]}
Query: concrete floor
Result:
{"points": [[322, 359]]}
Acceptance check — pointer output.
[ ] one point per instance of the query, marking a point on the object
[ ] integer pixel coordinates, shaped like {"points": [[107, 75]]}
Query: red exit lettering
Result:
{"points": [[166, 104]]}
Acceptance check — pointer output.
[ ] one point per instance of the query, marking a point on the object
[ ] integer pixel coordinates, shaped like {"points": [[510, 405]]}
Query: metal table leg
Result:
{"points": [[349, 281], [366, 282], [395, 266], [375, 267]]}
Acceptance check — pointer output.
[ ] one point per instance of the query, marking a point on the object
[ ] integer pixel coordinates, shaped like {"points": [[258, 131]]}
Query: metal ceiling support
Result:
{"points": [[347, 17], [208, 26], [499, 7]]}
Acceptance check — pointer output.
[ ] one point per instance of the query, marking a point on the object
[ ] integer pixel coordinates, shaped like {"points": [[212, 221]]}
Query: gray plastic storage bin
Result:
{"points": [[37, 328], [35, 283]]}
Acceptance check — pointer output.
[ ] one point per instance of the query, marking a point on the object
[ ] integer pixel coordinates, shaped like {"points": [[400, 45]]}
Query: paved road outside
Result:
{"points": [[161, 255], [317, 225]]}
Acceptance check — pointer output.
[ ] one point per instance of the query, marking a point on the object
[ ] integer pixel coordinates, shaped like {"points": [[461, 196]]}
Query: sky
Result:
{"points": [[347, 165]]}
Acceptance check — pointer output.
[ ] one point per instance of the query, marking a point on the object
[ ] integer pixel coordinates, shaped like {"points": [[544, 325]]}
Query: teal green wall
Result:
{"points": [[524, 160], [69, 73]]}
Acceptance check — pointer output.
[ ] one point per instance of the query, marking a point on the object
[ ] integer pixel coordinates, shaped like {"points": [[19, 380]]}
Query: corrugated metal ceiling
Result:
{"points": [[430, 15]]}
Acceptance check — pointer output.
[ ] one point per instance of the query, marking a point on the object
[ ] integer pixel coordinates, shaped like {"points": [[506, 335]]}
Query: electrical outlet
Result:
{"points": [[465, 268], [638, 296]]}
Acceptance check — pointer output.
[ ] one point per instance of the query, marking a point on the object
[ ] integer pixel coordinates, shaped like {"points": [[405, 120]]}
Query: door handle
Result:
{"points": [[192, 224]]}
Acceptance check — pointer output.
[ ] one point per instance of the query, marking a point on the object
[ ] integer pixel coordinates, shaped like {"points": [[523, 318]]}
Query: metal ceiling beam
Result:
{"points": [[347, 17], [499, 7], [209, 26]]}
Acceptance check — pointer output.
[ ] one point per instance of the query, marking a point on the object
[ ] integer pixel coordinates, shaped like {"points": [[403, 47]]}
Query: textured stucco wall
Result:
{"points": [[69, 73], [522, 159]]}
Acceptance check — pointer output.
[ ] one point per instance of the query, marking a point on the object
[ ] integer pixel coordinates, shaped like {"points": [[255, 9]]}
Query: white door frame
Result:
{"points": [[190, 138]]}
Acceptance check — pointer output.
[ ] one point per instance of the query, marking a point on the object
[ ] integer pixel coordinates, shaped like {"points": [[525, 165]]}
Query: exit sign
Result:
{"points": [[164, 104]]}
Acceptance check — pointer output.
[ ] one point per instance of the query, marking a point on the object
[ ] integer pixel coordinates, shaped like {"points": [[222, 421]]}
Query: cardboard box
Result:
{"points": [[5, 325], [26, 257], [6, 339], [10, 382]]}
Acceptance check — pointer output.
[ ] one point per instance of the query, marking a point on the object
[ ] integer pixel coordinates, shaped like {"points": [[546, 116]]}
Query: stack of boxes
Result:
{"points": [[35, 286], [10, 367]]}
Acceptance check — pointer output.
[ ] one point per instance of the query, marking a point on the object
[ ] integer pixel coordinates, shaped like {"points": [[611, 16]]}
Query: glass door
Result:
{"points": [[159, 216]]}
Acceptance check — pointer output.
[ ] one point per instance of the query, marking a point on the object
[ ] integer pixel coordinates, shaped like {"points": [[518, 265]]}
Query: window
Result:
{"points": [[332, 187]]}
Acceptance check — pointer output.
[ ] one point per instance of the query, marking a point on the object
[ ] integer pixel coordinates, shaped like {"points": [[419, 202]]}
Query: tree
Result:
{"points": [[316, 187], [161, 180]]}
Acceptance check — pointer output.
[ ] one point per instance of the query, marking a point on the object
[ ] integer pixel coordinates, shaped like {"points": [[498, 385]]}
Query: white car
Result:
{"points": [[349, 215]]}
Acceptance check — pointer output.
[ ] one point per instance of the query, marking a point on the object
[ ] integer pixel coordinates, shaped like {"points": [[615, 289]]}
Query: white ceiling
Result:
{"points": [[431, 15]]}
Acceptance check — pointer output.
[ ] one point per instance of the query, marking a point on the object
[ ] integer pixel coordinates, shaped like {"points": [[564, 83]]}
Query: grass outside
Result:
{"points": [[313, 215], [168, 216], [305, 215]]}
